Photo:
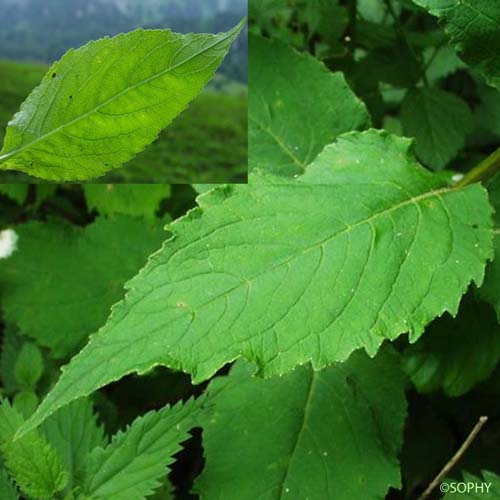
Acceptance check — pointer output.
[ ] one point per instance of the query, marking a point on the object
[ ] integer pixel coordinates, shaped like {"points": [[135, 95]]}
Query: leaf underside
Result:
{"points": [[282, 272], [105, 102]]}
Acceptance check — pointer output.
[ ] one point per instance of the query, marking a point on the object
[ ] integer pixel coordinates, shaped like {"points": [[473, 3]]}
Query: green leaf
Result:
{"points": [[16, 192], [105, 102], [335, 433], [25, 402], [456, 353], [81, 274], [442, 63], [439, 121], [7, 489], [296, 107], [286, 271], [131, 466], [73, 431], [474, 29], [29, 365], [479, 490], [35, 465], [12, 344], [128, 199]]}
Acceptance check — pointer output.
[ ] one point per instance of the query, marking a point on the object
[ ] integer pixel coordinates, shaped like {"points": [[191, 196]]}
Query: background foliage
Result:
{"points": [[364, 428]]}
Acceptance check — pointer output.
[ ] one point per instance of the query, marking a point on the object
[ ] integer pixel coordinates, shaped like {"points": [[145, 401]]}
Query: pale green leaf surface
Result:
{"points": [[474, 29], [493, 492], [455, 353], [334, 433], [105, 102], [128, 199], [35, 465], [286, 271], [16, 192], [73, 431], [296, 107], [68, 277], [439, 121], [132, 465], [7, 489]]}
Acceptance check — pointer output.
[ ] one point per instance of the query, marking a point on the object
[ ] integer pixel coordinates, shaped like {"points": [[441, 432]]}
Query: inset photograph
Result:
{"points": [[123, 91]]}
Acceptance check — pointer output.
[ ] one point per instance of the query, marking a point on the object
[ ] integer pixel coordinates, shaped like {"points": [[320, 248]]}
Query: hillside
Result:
{"points": [[205, 144], [42, 30]]}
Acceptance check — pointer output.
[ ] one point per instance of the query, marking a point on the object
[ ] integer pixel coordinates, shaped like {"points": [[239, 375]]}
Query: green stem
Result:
{"points": [[482, 170]]}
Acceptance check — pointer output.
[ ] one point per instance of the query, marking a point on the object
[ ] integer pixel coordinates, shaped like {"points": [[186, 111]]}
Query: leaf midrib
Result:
{"points": [[15, 152]]}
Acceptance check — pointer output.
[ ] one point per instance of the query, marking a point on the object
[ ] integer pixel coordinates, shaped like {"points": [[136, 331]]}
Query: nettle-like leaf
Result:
{"points": [[456, 353], [105, 102], [309, 428], [128, 199], [131, 466], [35, 465], [73, 431], [474, 29], [296, 107], [68, 277], [439, 121], [286, 271]]}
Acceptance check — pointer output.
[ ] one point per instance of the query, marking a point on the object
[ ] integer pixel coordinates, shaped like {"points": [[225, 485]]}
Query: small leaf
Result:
{"points": [[335, 433], [296, 108], [439, 121], [286, 271], [81, 270], [128, 199], [34, 464], [131, 466], [29, 365], [105, 102], [25, 402]]}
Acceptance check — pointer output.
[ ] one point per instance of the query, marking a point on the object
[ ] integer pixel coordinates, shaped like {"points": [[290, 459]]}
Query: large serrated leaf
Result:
{"points": [[103, 103], [335, 433], [282, 272]]}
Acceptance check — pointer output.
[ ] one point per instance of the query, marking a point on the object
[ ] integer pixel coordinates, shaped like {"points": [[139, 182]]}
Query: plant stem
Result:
{"points": [[454, 459], [482, 170]]}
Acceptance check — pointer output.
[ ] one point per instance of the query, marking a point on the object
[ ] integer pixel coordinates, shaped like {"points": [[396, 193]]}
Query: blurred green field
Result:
{"points": [[205, 144]]}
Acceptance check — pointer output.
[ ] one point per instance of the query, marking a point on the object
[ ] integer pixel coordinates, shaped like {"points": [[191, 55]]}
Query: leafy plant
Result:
{"points": [[339, 314], [105, 102]]}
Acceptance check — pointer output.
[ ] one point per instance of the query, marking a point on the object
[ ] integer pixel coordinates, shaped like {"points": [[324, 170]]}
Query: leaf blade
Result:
{"points": [[209, 296]]}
